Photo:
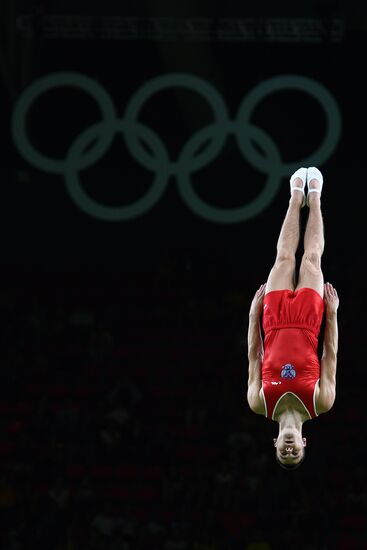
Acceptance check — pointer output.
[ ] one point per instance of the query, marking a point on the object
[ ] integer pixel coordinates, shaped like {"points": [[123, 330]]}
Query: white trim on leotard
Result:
{"points": [[264, 399], [314, 397], [276, 404]]}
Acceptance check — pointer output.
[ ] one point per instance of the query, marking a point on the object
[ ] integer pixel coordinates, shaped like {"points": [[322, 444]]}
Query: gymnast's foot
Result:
{"points": [[314, 184], [298, 183]]}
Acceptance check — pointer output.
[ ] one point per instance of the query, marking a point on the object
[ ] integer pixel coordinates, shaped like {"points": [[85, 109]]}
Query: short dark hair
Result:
{"points": [[291, 466]]}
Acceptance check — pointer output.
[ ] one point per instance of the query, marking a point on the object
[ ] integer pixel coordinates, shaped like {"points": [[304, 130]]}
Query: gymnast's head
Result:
{"points": [[290, 449]]}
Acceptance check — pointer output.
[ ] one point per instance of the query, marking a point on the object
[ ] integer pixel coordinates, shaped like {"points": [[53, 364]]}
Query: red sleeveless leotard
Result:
{"points": [[291, 322]]}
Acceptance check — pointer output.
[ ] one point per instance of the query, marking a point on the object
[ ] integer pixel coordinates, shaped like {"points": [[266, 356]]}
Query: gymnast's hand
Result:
{"points": [[257, 301], [331, 298]]}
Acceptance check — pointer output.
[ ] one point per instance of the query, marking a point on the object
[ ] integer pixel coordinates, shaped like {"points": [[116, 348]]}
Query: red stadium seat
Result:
{"points": [[6, 447], [101, 471], [152, 473], [76, 471], [127, 471]]}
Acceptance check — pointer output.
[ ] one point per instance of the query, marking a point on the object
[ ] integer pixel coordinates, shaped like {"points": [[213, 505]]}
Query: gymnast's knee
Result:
{"points": [[285, 259], [311, 261]]}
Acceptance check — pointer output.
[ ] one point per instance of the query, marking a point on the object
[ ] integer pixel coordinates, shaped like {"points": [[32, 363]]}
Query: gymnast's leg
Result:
{"points": [[282, 274], [310, 273]]}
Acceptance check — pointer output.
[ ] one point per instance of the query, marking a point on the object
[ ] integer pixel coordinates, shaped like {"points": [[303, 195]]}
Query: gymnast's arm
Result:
{"points": [[255, 351], [330, 349]]}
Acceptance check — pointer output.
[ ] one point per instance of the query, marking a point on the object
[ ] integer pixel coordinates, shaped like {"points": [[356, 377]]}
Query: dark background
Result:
{"points": [[123, 374]]}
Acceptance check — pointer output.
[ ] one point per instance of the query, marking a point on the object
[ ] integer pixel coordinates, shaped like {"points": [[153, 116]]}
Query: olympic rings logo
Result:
{"points": [[198, 151]]}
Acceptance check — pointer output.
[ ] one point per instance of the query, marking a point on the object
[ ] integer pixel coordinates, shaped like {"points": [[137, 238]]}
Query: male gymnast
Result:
{"points": [[287, 380]]}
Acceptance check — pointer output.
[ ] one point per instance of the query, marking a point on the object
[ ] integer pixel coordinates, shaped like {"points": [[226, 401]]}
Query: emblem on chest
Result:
{"points": [[288, 371]]}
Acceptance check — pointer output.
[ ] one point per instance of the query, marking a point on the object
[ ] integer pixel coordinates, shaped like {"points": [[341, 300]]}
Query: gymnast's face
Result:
{"points": [[290, 447]]}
